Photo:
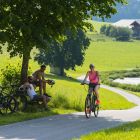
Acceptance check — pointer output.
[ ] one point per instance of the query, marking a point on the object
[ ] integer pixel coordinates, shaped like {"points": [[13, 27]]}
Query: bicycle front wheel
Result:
{"points": [[88, 107], [9, 105], [96, 110]]}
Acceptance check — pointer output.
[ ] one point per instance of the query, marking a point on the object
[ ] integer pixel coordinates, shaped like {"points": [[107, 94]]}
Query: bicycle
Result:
{"points": [[90, 105], [8, 103], [20, 97]]}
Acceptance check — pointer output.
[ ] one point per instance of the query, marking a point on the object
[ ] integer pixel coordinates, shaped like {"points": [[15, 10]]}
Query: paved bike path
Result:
{"points": [[66, 127]]}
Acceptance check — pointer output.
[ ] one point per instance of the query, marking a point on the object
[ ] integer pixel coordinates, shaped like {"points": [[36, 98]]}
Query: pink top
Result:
{"points": [[93, 77]]}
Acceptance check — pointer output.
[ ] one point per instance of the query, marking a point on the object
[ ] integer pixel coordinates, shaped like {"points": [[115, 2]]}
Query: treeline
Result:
{"points": [[119, 33]]}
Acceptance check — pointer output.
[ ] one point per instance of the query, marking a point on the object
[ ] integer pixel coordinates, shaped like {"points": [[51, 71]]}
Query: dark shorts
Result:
{"points": [[37, 98], [40, 98], [91, 85]]}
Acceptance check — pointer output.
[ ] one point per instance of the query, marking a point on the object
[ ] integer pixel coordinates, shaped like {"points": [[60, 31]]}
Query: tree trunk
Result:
{"points": [[24, 69], [61, 71]]}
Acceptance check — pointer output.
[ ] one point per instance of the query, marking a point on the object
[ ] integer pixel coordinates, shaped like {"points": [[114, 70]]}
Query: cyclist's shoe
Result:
{"points": [[97, 102]]}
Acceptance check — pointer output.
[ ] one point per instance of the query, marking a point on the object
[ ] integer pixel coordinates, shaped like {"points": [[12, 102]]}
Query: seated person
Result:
{"points": [[39, 80], [32, 94]]}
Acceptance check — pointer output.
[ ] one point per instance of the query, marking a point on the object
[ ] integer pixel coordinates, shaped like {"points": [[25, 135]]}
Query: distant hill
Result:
{"points": [[130, 11]]}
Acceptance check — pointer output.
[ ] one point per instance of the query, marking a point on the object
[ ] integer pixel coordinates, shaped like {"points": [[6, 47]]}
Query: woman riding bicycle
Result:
{"points": [[94, 81]]}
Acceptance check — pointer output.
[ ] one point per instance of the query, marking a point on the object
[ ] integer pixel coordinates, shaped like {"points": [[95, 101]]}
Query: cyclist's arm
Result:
{"points": [[43, 77], [85, 78]]}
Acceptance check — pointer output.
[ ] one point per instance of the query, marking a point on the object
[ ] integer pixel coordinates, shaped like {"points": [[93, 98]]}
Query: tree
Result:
{"points": [[120, 33], [25, 24], [124, 34], [103, 29], [66, 54], [107, 31], [129, 11], [113, 31]]}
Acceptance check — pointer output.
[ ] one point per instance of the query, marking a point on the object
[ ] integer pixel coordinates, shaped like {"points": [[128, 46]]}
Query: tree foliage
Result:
{"points": [[66, 54], [25, 24], [120, 33], [129, 11]]}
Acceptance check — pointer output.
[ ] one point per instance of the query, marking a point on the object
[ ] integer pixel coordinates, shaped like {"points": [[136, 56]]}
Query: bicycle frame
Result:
{"points": [[90, 104]]}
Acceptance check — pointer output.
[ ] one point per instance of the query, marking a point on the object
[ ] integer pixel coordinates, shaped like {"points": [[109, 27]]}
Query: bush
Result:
{"points": [[120, 33], [10, 75], [108, 29], [113, 32], [103, 29]]}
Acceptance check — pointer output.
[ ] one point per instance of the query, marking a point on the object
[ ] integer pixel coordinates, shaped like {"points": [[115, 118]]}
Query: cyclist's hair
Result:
{"points": [[91, 65], [43, 66]]}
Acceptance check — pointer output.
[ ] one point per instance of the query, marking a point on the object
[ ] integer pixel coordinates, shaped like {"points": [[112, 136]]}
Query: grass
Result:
{"points": [[124, 132], [68, 96], [97, 25], [68, 93], [135, 93], [105, 53], [110, 55], [108, 78]]}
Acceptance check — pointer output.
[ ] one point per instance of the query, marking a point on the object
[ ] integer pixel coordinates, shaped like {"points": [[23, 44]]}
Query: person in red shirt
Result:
{"points": [[94, 81]]}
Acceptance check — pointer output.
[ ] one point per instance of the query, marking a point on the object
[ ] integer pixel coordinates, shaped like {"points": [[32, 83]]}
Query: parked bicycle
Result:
{"points": [[8, 103], [90, 105]]}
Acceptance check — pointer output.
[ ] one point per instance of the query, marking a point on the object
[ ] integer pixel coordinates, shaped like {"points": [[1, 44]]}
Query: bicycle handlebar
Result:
{"points": [[84, 83]]}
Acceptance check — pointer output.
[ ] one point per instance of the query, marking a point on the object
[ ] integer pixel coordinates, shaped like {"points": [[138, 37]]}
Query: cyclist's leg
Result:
{"points": [[38, 83], [45, 101], [96, 90], [44, 87], [90, 90]]}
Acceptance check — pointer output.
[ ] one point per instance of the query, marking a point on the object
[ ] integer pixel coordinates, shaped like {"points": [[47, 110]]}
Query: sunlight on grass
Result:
{"points": [[125, 132], [68, 93], [109, 55]]}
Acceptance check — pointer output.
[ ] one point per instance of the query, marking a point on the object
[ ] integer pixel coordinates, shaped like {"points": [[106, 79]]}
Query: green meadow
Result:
{"points": [[110, 55], [124, 132], [68, 95]]}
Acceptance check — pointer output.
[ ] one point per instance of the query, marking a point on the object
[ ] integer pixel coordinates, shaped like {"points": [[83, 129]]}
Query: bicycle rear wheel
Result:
{"points": [[95, 107], [88, 107]]}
